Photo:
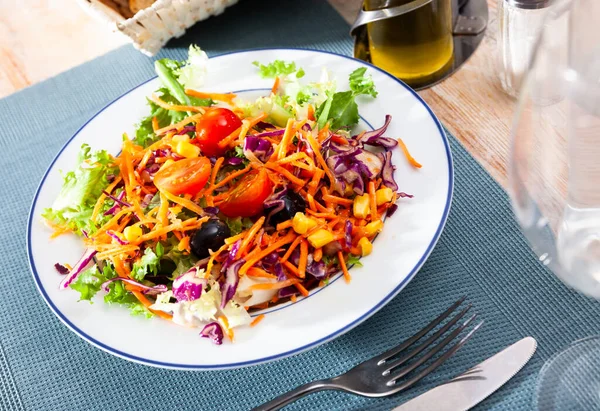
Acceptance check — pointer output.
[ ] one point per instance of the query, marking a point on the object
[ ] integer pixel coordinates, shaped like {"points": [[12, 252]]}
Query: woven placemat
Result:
{"points": [[481, 254]]}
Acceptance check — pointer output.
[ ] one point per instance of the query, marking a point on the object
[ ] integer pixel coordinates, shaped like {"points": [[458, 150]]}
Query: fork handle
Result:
{"points": [[297, 393]]}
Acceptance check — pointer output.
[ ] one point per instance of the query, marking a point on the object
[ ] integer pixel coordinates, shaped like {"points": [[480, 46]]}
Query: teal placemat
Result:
{"points": [[481, 254]]}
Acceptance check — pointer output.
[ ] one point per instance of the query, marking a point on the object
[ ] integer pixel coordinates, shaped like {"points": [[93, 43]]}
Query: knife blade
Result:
{"points": [[477, 383]]}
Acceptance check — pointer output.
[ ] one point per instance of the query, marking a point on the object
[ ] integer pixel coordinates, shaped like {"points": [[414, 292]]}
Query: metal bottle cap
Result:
{"points": [[529, 4]]}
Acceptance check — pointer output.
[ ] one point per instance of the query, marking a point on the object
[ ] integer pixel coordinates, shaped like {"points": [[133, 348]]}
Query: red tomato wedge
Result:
{"points": [[216, 124], [187, 176], [247, 197]]}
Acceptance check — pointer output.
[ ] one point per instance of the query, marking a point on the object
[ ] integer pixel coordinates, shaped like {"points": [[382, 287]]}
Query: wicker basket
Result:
{"points": [[151, 28]]}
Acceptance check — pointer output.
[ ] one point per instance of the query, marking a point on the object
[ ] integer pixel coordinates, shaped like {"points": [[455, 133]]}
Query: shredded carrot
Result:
{"points": [[273, 286], [343, 266], [102, 197], [184, 202], [233, 136], [211, 260], [260, 273], [225, 325], [181, 226], [117, 250], [285, 140], [293, 298], [176, 126], [250, 236], [215, 170], [174, 107], [155, 124], [230, 177], [338, 200], [113, 221], [257, 320], [261, 306], [249, 123], [323, 133], [184, 244], [291, 249], [303, 258], [311, 202], [253, 258], [410, 158], [318, 254], [291, 267], [275, 85], [316, 147], [226, 97], [233, 239], [146, 303], [373, 200], [284, 225], [311, 112], [314, 183], [294, 157], [292, 178]]}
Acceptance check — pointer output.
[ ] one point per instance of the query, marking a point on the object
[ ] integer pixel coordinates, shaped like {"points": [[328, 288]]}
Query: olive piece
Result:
{"points": [[292, 203], [211, 236]]}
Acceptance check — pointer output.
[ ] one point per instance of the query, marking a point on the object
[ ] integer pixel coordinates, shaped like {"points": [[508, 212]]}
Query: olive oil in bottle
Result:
{"points": [[413, 46]]}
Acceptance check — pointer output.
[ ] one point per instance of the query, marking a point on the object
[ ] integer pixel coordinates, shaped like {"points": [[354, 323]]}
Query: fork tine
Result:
{"points": [[396, 363], [439, 361], [394, 351], [403, 371]]}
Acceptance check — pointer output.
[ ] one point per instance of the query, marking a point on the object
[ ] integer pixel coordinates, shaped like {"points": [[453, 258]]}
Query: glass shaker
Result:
{"points": [[520, 22]]}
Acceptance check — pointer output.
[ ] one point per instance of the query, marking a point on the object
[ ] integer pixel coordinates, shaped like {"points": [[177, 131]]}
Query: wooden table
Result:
{"points": [[471, 103]]}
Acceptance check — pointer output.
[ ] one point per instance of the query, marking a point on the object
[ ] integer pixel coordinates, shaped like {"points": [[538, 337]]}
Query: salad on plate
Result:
{"points": [[219, 207]]}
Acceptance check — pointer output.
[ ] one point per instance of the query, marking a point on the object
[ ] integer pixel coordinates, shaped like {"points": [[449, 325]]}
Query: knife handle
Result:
{"points": [[295, 394]]}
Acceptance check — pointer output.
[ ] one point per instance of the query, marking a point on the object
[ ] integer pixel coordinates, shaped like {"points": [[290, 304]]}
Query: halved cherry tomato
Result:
{"points": [[247, 198], [187, 176], [216, 124]]}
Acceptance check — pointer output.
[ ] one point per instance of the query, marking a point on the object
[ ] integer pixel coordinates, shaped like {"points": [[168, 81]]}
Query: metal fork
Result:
{"points": [[383, 375]]}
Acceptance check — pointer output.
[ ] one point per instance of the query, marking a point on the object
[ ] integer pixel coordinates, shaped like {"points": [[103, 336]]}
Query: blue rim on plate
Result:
{"points": [[306, 347]]}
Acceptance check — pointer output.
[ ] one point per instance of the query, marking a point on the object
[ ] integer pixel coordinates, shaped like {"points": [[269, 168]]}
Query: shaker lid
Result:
{"points": [[529, 4]]}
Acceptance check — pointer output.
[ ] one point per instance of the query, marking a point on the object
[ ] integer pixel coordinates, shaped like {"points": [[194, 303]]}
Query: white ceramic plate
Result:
{"points": [[399, 251]]}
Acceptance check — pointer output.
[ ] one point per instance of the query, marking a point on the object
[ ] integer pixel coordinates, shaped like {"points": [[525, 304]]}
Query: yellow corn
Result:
{"points": [[365, 246], [320, 238], [132, 233], [167, 163], [384, 195], [361, 206], [373, 228], [302, 224], [180, 138], [187, 150]]}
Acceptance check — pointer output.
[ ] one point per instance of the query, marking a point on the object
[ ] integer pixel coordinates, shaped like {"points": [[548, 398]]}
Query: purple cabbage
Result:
{"points": [[232, 254], [152, 169], [146, 200], [287, 291], [404, 195], [348, 233], [233, 161], [306, 127], [270, 133], [264, 125], [232, 278], [163, 152], [392, 210], [271, 259], [115, 237], [387, 173], [119, 199], [211, 210], [61, 269], [83, 262], [257, 147], [187, 129], [214, 332], [274, 203], [316, 269], [145, 289], [188, 287], [375, 137]]}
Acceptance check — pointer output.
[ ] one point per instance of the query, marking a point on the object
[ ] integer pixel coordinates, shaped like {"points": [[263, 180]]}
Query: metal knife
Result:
{"points": [[477, 383]]}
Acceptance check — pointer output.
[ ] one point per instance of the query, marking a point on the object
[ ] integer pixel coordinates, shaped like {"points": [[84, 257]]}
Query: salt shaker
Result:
{"points": [[520, 22]]}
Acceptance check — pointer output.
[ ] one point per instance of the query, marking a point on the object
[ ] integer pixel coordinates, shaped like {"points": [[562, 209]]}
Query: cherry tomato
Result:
{"points": [[187, 176], [216, 124], [247, 198]]}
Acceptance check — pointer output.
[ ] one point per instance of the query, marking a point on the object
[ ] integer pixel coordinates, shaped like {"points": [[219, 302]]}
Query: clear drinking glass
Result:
{"points": [[555, 181]]}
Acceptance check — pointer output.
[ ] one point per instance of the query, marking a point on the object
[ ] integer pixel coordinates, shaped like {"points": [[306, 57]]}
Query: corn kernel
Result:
{"points": [[187, 150], [361, 207], [132, 233], [365, 246], [384, 195], [167, 163], [373, 228], [302, 224], [320, 238], [180, 138]]}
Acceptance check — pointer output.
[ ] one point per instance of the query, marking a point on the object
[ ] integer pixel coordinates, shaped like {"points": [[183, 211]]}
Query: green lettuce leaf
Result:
{"points": [[81, 188], [277, 68], [148, 264]]}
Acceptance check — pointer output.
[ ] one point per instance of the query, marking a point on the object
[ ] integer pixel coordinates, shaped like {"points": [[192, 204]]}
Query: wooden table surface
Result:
{"points": [[471, 103]]}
